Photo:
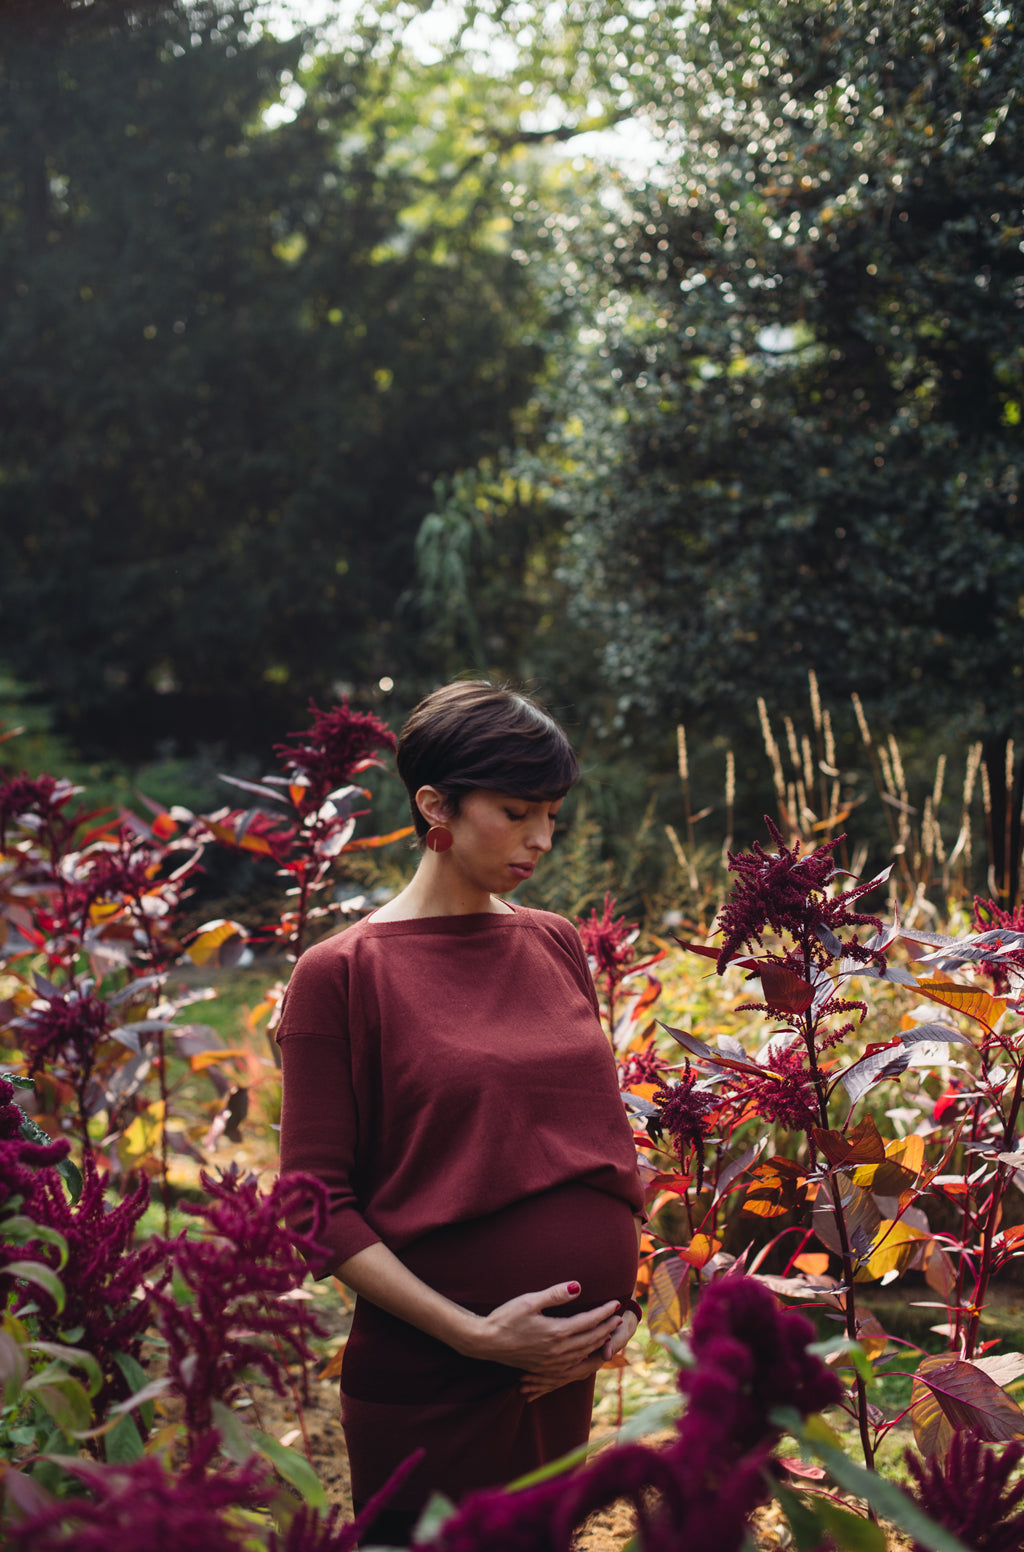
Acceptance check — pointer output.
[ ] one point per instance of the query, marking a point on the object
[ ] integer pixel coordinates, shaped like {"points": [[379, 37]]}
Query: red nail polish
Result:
{"points": [[574, 1288]]}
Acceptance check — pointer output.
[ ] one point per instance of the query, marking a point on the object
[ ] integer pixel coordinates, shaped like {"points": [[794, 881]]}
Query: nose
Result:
{"points": [[540, 838]]}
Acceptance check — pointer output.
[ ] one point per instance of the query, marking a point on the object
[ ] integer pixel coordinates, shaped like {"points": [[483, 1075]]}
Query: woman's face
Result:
{"points": [[497, 840]]}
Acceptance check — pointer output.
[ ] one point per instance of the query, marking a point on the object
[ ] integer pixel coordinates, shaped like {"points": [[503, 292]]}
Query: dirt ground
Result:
{"points": [[608, 1531]]}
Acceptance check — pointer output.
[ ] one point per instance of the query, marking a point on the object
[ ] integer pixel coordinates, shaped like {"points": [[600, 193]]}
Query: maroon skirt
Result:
{"points": [[402, 1390]]}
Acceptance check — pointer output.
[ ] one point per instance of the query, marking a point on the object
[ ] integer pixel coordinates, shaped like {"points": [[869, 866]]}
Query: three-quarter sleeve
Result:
{"points": [[320, 1120]]}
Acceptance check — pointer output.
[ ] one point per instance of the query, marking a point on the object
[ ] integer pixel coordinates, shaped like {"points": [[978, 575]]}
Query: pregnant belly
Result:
{"points": [[570, 1233]]}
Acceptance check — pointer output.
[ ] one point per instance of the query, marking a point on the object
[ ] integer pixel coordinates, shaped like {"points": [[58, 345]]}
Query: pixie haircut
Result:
{"points": [[472, 735]]}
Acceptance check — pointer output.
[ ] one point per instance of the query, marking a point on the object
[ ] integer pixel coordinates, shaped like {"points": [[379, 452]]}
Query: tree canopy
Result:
{"points": [[238, 351], [792, 435]]}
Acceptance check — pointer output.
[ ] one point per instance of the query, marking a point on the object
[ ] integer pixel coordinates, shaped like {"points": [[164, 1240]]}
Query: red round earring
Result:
{"points": [[438, 838]]}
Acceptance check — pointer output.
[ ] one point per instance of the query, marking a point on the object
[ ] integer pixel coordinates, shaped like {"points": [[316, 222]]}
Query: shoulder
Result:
{"points": [[318, 990], [553, 930]]}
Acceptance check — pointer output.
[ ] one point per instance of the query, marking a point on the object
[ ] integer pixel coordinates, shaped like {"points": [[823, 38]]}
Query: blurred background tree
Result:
{"points": [[332, 359], [238, 351]]}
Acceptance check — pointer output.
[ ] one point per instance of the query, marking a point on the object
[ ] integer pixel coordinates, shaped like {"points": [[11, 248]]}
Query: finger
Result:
{"points": [[622, 1335], [589, 1320], [561, 1293]]}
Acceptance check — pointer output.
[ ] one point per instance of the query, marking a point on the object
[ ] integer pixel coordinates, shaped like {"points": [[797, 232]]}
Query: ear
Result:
{"points": [[433, 805]]}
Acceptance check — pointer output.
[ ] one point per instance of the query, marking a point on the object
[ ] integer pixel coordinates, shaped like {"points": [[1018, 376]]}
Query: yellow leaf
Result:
{"points": [[668, 1306], [204, 1059], [894, 1247], [968, 1000], [908, 1151], [211, 938], [141, 1140]]}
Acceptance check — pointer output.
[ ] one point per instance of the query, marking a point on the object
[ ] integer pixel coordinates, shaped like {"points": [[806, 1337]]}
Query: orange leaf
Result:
{"points": [[620, 1361], [908, 1151], [333, 1366], [969, 1000], [812, 1263], [370, 841], [700, 1250], [204, 1059], [250, 840]]}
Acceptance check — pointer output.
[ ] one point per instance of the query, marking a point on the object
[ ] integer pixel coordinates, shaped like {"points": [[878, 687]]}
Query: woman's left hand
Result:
{"points": [[534, 1385]]}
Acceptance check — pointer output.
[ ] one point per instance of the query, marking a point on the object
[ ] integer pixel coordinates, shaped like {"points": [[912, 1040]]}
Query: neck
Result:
{"points": [[437, 890]]}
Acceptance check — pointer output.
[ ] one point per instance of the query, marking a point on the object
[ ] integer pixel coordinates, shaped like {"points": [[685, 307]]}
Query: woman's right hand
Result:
{"points": [[520, 1335]]}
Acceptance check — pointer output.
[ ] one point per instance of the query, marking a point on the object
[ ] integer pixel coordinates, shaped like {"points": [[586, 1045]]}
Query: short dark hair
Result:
{"points": [[472, 735]]}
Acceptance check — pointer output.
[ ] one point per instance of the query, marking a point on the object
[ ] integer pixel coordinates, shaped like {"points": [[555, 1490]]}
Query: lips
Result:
{"points": [[521, 869]]}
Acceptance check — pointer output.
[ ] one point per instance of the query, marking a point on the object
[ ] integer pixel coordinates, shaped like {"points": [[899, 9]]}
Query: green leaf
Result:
{"points": [[294, 1468], [42, 1276], [652, 1418], [803, 1522], [72, 1177], [436, 1511], [138, 1379], [234, 1440], [890, 1501], [123, 1443], [75, 1358], [66, 1402], [851, 1531], [13, 1367], [19, 1230], [852, 1349]]}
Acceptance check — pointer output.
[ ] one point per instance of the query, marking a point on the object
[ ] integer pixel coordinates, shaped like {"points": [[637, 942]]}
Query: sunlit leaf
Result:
{"points": [[778, 1186], [971, 1001], [204, 1059], [332, 1368], [950, 1394], [668, 1304], [700, 1250], [893, 1249], [934, 1034], [369, 842], [221, 941], [1002, 1368]]}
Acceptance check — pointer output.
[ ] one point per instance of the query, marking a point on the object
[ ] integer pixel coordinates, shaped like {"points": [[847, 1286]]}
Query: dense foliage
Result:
{"points": [[128, 1360], [238, 352]]}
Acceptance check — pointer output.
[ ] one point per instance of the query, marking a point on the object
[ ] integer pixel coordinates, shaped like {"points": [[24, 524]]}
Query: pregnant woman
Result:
{"points": [[447, 1077]]}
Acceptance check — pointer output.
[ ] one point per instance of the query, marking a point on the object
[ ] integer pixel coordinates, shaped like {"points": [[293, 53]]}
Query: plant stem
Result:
{"points": [[845, 1253]]}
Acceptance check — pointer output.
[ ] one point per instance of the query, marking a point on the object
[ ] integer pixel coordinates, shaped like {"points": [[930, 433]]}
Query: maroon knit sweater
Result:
{"points": [[439, 1069]]}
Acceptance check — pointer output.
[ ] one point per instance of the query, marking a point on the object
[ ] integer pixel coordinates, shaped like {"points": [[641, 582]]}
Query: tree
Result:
{"points": [[238, 351], [792, 435]]}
